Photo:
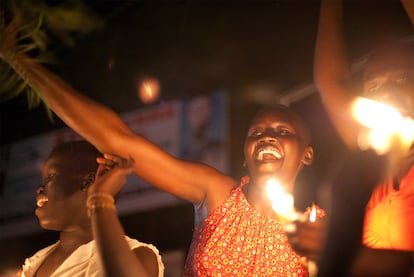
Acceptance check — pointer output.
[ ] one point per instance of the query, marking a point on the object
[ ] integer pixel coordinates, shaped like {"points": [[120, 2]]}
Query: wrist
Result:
{"points": [[99, 201]]}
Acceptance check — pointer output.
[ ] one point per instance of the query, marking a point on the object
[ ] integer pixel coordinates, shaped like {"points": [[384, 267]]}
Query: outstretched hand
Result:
{"points": [[111, 174]]}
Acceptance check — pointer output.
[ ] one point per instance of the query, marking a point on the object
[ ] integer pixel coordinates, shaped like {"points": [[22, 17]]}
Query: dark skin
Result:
{"points": [[388, 77], [392, 263], [274, 131], [61, 207], [62, 212], [308, 238], [107, 229], [200, 184]]}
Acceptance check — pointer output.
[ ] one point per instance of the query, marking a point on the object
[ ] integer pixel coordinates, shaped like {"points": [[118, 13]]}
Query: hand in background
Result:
{"points": [[307, 238]]}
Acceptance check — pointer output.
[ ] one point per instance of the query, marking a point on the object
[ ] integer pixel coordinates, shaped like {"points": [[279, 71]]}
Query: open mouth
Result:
{"points": [[41, 200], [268, 154]]}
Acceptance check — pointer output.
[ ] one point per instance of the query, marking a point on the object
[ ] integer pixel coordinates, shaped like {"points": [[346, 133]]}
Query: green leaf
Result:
{"points": [[37, 26]]}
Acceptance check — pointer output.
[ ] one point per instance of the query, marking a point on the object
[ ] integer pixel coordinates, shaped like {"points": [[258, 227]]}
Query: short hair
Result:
{"points": [[304, 128], [80, 153]]}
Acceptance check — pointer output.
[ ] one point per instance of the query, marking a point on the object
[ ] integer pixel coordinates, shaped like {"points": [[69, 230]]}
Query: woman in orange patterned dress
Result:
{"points": [[237, 232]]}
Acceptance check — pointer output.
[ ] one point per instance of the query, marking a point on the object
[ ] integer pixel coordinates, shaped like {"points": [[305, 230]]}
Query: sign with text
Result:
{"points": [[194, 129]]}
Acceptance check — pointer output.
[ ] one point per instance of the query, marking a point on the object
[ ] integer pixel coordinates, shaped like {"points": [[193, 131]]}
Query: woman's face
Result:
{"points": [[60, 201], [276, 147]]}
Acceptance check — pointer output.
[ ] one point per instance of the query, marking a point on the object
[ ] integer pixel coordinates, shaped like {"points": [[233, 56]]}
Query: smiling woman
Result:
{"points": [[219, 200], [277, 146], [277, 142]]}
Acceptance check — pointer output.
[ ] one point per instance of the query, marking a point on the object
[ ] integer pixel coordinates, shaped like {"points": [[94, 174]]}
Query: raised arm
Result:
{"points": [[105, 129], [117, 256], [332, 73]]}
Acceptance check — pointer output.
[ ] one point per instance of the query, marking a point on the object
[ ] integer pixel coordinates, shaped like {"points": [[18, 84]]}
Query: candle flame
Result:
{"points": [[312, 216], [376, 115], [282, 202], [385, 124]]}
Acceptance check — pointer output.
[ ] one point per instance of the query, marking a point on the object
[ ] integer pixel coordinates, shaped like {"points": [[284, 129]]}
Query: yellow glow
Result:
{"points": [[149, 90], [273, 189], [380, 140], [282, 202], [385, 124], [312, 216], [376, 115], [407, 131]]}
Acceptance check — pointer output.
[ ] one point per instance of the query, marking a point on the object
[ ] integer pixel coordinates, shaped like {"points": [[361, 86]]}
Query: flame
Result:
{"points": [[385, 124], [376, 115], [282, 202], [312, 215]]}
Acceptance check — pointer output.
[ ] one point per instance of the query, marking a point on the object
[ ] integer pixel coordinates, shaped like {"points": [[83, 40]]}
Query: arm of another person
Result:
{"points": [[332, 73], [382, 262], [105, 129], [116, 256], [115, 253], [307, 238]]}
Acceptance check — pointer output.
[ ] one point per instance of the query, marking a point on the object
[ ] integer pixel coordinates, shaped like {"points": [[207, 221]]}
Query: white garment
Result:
{"points": [[83, 262]]}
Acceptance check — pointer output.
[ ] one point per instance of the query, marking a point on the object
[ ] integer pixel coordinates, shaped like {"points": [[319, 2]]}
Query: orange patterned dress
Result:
{"points": [[236, 240]]}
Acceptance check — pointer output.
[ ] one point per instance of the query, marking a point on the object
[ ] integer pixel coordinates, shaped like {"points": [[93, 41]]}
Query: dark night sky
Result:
{"points": [[252, 49], [255, 50], [194, 47]]}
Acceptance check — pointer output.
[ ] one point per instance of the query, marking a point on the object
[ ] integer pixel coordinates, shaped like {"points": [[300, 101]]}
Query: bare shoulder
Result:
{"points": [[148, 258], [219, 191]]}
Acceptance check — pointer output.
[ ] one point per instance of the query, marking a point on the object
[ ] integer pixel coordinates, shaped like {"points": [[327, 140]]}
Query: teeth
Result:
{"points": [[41, 201], [271, 151]]}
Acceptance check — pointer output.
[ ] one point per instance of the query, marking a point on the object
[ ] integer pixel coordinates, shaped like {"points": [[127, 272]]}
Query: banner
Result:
{"points": [[194, 129]]}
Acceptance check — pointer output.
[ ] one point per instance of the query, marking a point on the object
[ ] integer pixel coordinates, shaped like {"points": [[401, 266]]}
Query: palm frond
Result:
{"points": [[29, 27], [72, 17], [27, 47], [33, 99]]}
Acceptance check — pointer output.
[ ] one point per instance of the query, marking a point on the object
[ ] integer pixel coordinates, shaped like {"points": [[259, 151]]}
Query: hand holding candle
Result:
{"points": [[307, 239], [282, 202], [283, 205], [314, 213]]}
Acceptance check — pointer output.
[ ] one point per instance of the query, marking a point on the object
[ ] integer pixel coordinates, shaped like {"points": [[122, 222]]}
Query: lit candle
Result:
{"points": [[282, 202], [312, 266], [312, 215]]}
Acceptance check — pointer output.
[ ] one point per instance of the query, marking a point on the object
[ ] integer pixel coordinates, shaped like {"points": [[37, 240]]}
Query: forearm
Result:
{"points": [[88, 118], [332, 73], [116, 256], [331, 62], [382, 262], [105, 130]]}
